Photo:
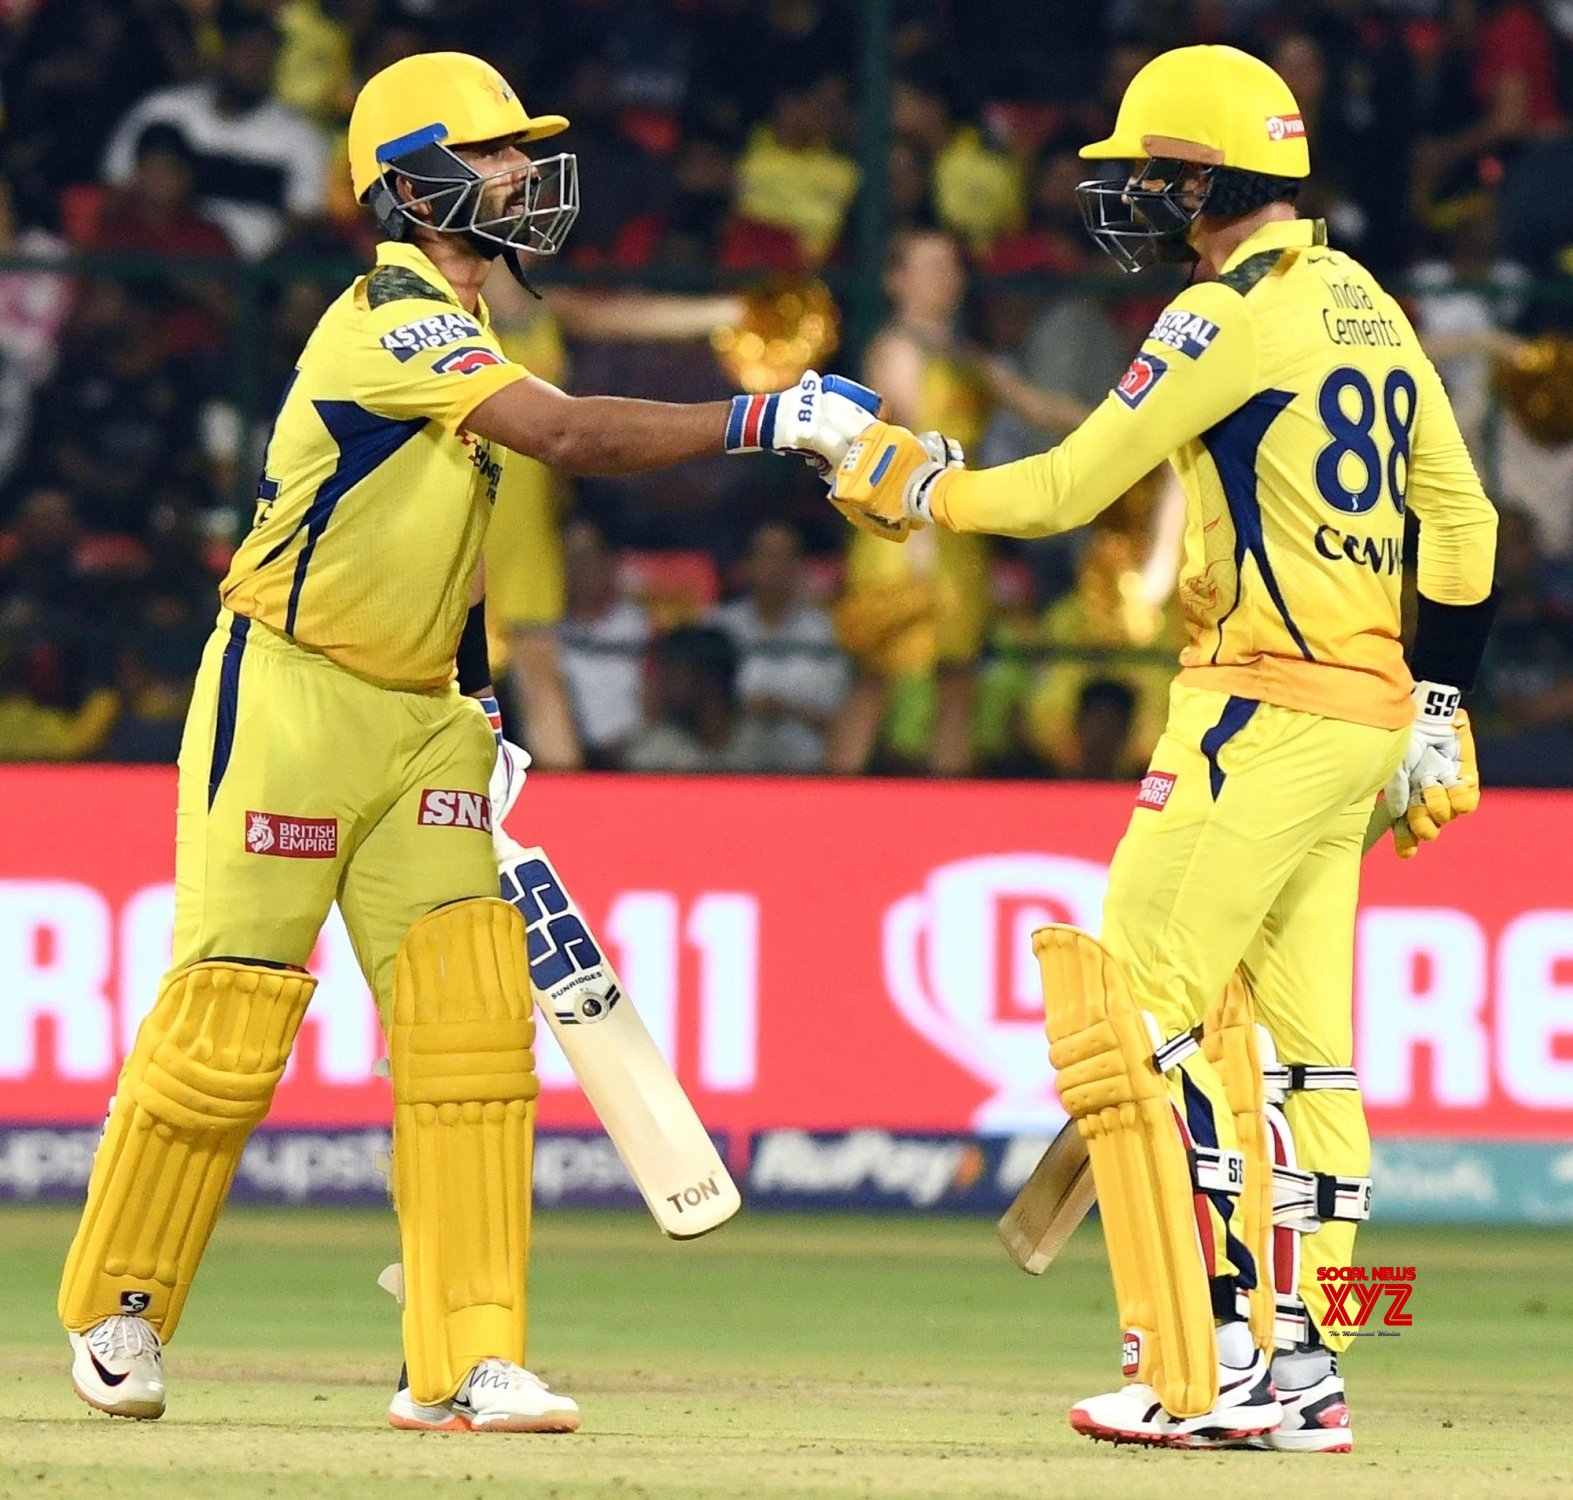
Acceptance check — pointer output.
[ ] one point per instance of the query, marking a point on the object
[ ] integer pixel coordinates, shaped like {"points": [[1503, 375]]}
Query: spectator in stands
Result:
{"points": [[600, 644], [260, 166], [977, 189], [33, 305], [52, 704], [693, 719], [1512, 57], [40, 719], [932, 380], [39, 575], [118, 421], [792, 677], [1523, 705], [1101, 743], [313, 72], [1053, 240], [910, 183], [155, 214], [1326, 194], [1466, 300], [155, 672], [74, 71], [617, 222], [696, 212], [794, 186]]}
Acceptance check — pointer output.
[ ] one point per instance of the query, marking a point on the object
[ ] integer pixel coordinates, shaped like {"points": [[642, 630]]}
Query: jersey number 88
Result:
{"points": [[1353, 451]]}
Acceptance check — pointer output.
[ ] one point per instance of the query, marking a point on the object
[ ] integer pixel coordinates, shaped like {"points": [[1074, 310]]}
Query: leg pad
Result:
{"points": [[464, 1087], [1229, 1042], [1102, 1046], [199, 1079]]}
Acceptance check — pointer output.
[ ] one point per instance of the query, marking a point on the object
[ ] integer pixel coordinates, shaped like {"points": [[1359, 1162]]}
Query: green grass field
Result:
{"points": [[778, 1358]]}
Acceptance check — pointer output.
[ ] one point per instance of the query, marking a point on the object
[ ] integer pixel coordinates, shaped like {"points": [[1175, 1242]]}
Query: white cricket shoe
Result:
{"points": [[1246, 1408], [496, 1396], [1316, 1415], [119, 1368]]}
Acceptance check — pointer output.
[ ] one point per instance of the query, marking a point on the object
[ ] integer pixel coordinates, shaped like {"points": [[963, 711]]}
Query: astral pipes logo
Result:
{"points": [[1355, 1292], [959, 967]]}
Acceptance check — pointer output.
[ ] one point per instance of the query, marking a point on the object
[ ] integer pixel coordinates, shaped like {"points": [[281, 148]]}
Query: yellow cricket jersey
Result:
{"points": [[374, 499], [1293, 399]]}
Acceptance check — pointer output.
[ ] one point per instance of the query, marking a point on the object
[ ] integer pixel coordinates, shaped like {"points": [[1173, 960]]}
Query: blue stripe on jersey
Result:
{"points": [[1235, 716], [364, 441], [1233, 444], [228, 703]]}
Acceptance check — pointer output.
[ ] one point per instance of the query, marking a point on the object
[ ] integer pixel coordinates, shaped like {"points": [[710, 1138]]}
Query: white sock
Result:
{"points": [[1299, 1369], [1235, 1348]]}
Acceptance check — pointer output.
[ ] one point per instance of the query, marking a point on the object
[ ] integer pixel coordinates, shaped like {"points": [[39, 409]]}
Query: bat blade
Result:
{"points": [[1052, 1202], [630, 1085]]}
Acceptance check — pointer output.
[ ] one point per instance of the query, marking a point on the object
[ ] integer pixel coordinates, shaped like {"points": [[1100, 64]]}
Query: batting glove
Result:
{"points": [[1432, 784], [884, 483], [507, 771], [817, 419]]}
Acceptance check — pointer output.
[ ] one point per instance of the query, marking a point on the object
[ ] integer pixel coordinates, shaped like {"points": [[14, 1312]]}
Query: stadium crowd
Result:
{"points": [[716, 618]]}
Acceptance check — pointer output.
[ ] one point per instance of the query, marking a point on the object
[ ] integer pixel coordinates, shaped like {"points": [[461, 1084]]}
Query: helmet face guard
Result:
{"points": [[455, 195], [1139, 226]]}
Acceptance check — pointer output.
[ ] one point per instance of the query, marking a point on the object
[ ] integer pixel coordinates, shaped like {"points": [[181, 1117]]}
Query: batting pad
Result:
{"points": [[1229, 1043], [464, 1087], [1101, 1046], [199, 1079]]}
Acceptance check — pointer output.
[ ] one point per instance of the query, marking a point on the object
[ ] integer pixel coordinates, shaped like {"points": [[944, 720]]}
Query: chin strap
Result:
{"points": [[510, 258]]}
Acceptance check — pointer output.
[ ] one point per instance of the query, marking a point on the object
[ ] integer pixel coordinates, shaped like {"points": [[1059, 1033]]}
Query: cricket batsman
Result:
{"points": [[1291, 395], [329, 755]]}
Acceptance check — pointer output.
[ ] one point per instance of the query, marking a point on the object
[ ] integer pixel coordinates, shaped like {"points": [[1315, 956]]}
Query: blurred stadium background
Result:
{"points": [[844, 988]]}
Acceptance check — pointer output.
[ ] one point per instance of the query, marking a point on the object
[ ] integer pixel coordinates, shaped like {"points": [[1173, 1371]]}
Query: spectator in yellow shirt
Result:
{"points": [[792, 177]]}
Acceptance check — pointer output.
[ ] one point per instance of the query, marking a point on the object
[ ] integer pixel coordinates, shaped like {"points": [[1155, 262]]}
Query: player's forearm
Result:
{"points": [[610, 435], [1036, 496]]}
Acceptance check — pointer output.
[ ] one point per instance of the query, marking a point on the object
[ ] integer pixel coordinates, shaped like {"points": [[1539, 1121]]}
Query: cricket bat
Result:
{"points": [[1052, 1202], [630, 1085], [1060, 1194]]}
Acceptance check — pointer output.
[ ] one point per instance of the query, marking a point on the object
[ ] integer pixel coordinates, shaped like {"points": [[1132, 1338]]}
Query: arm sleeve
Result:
{"points": [[1197, 366], [1458, 525], [429, 359]]}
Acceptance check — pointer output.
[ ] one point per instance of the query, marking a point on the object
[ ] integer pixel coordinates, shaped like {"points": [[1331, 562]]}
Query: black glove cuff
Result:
{"points": [[1450, 639], [473, 661]]}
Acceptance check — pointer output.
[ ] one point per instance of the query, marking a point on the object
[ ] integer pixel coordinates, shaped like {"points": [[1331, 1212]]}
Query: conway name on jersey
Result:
{"points": [[374, 500], [1303, 420]]}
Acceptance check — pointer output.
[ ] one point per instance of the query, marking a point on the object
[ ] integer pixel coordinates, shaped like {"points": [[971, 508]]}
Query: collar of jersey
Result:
{"points": [[1278, 234], [412, 258]]}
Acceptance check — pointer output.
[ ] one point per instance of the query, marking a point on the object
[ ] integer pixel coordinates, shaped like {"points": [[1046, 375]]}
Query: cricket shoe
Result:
{"points": [[1316, 1415], [1246, 1408], [119, 1368], [496, 1396]]}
